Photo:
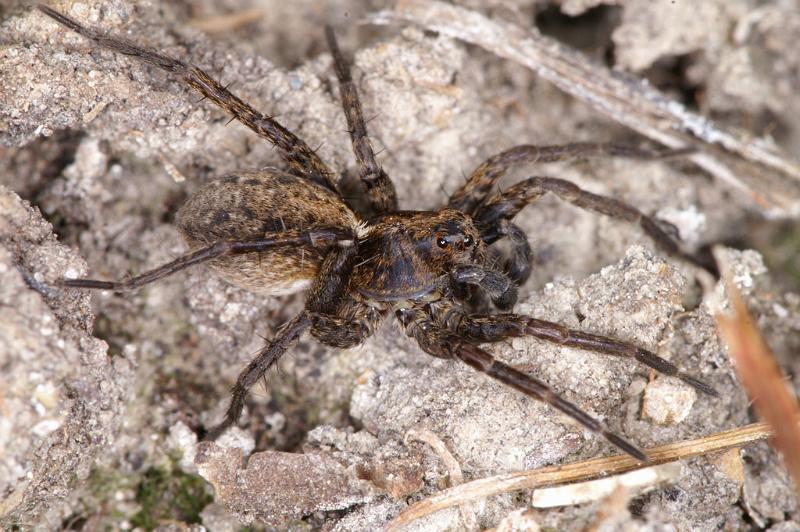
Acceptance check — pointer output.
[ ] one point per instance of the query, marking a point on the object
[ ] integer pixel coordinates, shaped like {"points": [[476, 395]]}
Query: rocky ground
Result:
{"points": [[105, 393]]}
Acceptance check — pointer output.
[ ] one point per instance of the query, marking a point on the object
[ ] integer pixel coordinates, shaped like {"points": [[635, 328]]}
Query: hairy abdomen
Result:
{"points": [[248, 205]]}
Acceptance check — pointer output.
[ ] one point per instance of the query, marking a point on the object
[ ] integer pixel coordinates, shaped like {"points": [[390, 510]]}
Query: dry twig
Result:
{"points": [[228, 22], [579, 471], [452, 465], [752, 167]]}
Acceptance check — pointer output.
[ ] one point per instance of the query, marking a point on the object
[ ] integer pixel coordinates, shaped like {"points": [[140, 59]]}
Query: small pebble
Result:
{"points": [[668, 401]]}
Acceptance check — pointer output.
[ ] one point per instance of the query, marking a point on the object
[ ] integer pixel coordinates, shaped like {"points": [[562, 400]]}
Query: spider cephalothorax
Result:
{"points": [[281, 231], [403, 255]]}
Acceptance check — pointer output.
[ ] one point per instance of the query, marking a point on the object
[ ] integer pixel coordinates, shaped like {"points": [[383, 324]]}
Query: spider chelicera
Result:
{"points": [[282, 231]]}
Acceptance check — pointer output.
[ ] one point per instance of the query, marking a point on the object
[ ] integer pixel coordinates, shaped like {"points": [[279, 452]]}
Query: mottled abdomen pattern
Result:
{"points": [[248, 205]]}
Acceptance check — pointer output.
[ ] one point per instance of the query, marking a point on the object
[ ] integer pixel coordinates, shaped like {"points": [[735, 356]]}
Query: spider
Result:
{"points": [[283, 231]]}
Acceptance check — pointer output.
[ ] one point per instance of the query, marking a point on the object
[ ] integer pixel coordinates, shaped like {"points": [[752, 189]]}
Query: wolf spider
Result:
{"points": [[279, 232]]}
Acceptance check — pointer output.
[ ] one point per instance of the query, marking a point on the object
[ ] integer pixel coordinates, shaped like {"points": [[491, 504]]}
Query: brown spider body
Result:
{"points": [[249, 205], [277, 232], [403, 255]]}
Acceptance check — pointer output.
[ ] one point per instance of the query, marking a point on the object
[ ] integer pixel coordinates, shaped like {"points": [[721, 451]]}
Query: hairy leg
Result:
{"points": [[319, 238], [493, 328], [302, 160], [338, 319], [440, 342], [506, 205], [329, 290], [333, 319], [480, 182], [264, 360], [346, 331], [380, 190]]}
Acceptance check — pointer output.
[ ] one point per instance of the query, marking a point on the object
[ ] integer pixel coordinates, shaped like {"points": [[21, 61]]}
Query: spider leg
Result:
{"points": [[506, 205], [501, 326], [301, 159], [338, 319], [380, 190], [287, 335], [346, 332], [440, 342], [480, 182], [353, 323], [320, 237], [328, 292]]}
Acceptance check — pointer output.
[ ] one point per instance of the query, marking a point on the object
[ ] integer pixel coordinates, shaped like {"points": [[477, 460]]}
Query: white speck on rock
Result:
{"points": [[46, 394], [689, 222], [780, 310], [668, 401], [231, 312], [43, 428], [238, 439], [183, 440]]}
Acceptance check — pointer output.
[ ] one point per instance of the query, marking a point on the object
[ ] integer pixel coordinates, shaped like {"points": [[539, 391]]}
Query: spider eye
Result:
{"points": [[442, 242], [468, 241]]}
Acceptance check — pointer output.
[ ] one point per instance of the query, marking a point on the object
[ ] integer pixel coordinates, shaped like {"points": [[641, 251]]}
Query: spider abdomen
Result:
{"points": [[248, 205]]}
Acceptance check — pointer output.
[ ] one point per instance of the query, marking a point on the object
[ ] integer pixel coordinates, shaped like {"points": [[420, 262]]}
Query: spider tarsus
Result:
{"points": [[646, 154], [233, 412], [626, 446], [43, 288], [698, 384], [678, 152], [217, 431], [651, 360], [91, 284]]}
